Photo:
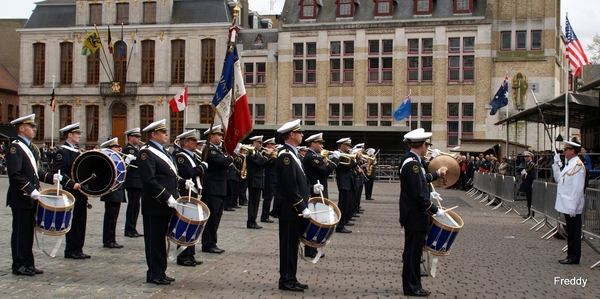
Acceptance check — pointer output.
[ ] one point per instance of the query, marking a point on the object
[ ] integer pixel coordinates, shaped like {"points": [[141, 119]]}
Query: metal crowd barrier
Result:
{"points": [[591, 218], [494, 188]]}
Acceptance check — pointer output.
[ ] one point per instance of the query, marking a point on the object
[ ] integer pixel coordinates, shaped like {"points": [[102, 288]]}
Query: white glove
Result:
{"points": [[306, 213], [335, 155], [440, 213], [436, 152], [189, 184], [523, 172], [318, 188], [171, 202], [205, 165], [557, 159], [129, 158], [57, 178], [35, 195], [435, 195]]}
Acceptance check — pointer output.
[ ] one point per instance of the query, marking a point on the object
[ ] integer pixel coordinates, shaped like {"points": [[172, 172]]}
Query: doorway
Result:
{"points": [[119, 122]]}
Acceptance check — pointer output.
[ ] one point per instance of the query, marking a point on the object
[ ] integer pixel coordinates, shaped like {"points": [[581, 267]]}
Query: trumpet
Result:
{"points": [[351, 157], [250, 149]]}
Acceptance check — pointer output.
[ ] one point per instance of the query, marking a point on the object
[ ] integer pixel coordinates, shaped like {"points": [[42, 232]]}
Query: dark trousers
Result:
{"points": [[253, 204], [357, 197], [155, 230], [76, 236], [215, 206], [344, 205], [528, 195], [411, 257], [573, 237], [288, 251], [232, 195], [111, 213], [268, 195], [243, 193], [369, 188], [21, 241], [187, 254], [133, 210]]}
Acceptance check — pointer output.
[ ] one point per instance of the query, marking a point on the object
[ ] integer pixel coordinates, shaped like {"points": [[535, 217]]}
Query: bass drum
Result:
{"points": [[101, 171]]}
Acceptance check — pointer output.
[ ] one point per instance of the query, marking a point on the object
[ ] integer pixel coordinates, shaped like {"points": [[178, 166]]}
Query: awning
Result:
{"points": [[593, 85], [7, 132], [474, 147]]}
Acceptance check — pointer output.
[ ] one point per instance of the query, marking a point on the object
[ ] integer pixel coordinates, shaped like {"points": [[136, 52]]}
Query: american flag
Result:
{"points": [[575, 53]]}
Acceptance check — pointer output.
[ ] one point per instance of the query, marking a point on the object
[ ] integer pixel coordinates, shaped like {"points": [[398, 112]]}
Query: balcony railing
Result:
{"points": [[118, 89]]}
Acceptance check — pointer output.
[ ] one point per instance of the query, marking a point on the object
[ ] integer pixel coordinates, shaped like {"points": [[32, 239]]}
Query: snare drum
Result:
{"points": [[188, 221], [443, 233], [54, 212], [106, 165], [316, 231]]}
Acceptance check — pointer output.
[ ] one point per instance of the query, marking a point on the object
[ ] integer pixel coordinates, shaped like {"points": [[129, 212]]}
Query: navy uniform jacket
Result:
{"points": [[256, 169], [132, 179], [271, 171], [22, 177], [344, 174], [415, 205], [187, 170], [159, 182], [234, 171], [215, 177], [63, 161], [291, 193], [527, 184], [316, 170]]}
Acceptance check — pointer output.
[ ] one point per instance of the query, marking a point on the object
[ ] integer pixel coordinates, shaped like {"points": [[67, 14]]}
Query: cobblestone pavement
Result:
{"points": [[494, 256]]}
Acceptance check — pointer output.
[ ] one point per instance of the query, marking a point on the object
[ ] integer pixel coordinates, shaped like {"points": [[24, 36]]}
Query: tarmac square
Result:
{"points": [[493, 256]]}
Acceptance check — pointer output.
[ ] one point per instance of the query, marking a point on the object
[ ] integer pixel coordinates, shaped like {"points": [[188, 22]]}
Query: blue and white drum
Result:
{"points": [[101, 171], [188, 221], [316, 231], [54, 212], [442, 234]]}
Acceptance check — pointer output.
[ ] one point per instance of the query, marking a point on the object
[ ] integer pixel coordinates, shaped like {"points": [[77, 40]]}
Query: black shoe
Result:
{"points": [[342, 230], [36, 271], [356, 215], [423, 273], [237, 207], [290, 287], [158, 281], [243, 203], [267, 220], [419, 293], [254, 226], [349, 224], [87, 256], [134, 235], [113, 245], [197, 262], [370, 199], [23, 271], [229, 209], [213, 250], [167, 278], [568, 261], [76, 256], [303, 286], [352, 219], [187, 263], [526, 216]]}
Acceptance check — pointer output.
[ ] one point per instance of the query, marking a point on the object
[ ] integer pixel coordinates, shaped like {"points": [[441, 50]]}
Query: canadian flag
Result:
{"points": [[179, 101]]}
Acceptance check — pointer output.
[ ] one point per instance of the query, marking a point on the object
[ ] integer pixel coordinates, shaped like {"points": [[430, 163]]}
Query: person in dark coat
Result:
{"points": [[63, 162], [256, 179], [345, 179], [416, 209], [24, 176], [112, 204], [270, 181], [233, 180], [529, 174], [133, 184], [291, 204]]}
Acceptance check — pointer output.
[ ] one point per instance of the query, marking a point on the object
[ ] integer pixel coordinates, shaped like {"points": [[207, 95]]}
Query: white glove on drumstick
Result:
{"points": [[171, 202], [306, 213], [440, 213]]}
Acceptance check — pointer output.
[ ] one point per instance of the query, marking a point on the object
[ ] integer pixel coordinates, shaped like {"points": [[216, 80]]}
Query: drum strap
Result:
{"points": [[29, 155], [197, 179], [295, 158], [70, 148], [405, 162], [163, 157]]}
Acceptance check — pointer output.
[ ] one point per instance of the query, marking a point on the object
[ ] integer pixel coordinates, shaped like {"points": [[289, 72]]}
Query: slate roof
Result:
{"points": [[200, 11], [52, 14], [247, 38]]}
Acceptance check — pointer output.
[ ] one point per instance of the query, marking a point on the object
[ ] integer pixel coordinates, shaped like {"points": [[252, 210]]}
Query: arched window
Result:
{"points": [[39, 64], [177, 61], [120, 58], [93, 68], [148, 61], [208, 61], [66, 63]]}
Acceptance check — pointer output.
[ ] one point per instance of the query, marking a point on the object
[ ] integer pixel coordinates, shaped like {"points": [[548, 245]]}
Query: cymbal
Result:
{"points": [[452, 174]]}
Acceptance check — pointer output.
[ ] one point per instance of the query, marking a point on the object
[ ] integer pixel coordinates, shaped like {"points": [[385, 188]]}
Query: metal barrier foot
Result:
{"points": [[594, 265], [480, 195], [484, 199], [550, 233], [499, 205], [537, 225], [491, 202], [565, 248]]}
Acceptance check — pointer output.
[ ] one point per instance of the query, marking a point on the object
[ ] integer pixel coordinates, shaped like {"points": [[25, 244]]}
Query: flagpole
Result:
{"points": [[53, 99], [410, 115], [185, 116], [507, 123]]}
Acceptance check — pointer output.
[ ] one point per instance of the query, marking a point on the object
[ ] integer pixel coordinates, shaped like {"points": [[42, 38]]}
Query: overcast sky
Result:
{"points": [[582, 13]]}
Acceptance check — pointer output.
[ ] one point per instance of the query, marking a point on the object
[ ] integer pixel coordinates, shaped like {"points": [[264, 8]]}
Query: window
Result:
{"points": [[254, 73], [65, 114], [176, 127], [467, 130], [463, 6], [123, 13], [345, 8], [426, 110], [148, 62], [66, 63], [379, 114], [92, 121], [149, 13], [423, 7], [536, 40], [505, 42], [177, 61], [249, 73], [95, 14], [93, 69], [467, 110], [305, 63], [257, 114], [453, 110], [146, 118], [383, 8], [521, 41], [461, 68], [120, 58], [39, 115], [420, 60], [460, 122], [39, 64], [10, 112], [334, 110], [347, 110], [208, 61], [342, 65], [309, 9], [452, 133], [297, 110], [305, 112], [380, 61], [206, 113]]}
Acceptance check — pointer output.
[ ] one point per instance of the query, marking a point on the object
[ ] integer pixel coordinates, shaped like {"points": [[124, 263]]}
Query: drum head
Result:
{"points": [[98, 164]]}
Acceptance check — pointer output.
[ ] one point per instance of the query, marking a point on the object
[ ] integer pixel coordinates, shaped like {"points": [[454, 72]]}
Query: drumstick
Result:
{"points": [[85, 181], [190, 207], [317, 212], [437, 198], [58, 186], [321, 193]]}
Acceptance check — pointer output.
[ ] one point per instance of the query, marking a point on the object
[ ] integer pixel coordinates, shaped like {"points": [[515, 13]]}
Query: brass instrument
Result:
{"points": [[370, 163], [249, 149], [444, 160], [325, 155], [351, 157]]}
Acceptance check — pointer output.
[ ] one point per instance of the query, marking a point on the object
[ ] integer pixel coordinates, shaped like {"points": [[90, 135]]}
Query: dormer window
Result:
{"points": [[309, 9], [423, 7], [383, 8], [463, 6], [345, 8]]}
